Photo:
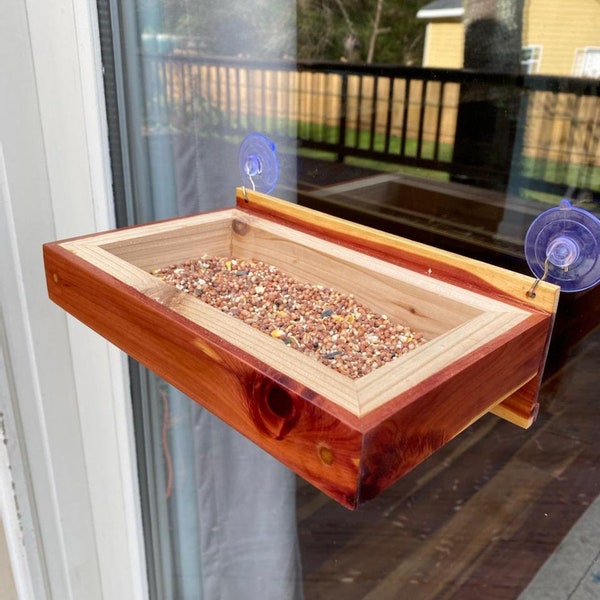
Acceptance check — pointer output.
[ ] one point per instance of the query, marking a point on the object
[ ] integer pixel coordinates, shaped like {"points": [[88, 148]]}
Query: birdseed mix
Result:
{"points": [[317, 320]]}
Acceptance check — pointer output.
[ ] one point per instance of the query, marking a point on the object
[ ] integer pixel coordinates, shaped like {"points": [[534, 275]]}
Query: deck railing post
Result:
{"points": [[536, 154], [343, 119]]}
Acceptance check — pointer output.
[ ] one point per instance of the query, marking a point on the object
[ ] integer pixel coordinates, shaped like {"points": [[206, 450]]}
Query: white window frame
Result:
{"points": [[532, 64], [583, 66], [72, 516]]}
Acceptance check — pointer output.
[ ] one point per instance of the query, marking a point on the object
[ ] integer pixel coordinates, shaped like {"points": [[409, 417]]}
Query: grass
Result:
{"points": [[572, 175]]}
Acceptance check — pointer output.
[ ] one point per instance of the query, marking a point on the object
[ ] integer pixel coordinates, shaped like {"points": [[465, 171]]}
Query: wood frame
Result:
{"points": [[351, 438]]}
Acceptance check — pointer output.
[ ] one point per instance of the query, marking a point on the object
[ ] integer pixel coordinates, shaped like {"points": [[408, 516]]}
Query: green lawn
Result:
{"points": [[569, 174]]}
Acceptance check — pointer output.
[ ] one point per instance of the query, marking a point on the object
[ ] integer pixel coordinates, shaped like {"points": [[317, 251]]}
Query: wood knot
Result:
{"points": [[280, 403], [240, 227], [326, 454], [273, 410]]}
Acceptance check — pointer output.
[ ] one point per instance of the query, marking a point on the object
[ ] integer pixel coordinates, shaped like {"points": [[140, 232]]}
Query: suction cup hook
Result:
{"points": [[562, 246], [258, 163]]}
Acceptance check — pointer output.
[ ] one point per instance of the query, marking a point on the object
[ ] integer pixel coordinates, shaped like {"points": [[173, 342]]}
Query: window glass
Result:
{"points": [[587, 62], [531, 59], [451, 123]]}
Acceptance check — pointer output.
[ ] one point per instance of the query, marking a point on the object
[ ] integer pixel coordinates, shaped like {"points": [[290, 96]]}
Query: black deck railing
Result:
{"points": [[391, 114]]}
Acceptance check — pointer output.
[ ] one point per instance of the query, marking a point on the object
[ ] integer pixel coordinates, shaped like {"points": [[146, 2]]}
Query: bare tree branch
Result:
{"points": [[349, 24], [375, 31]]}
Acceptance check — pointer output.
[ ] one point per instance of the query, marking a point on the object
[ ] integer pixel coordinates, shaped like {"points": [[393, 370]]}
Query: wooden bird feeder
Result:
{"points": [[349, 437]]}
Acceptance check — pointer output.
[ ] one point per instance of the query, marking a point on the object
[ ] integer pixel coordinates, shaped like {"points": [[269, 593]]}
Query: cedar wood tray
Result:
{"points": [[351, 438]]}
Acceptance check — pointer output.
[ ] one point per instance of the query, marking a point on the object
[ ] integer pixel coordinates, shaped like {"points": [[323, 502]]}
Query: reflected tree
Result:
{"points": [[383, 31], [380, 31], [253, 28]]}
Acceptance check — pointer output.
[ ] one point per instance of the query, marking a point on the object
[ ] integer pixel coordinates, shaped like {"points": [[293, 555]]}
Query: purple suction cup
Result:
{"points": [[258, 163], [562, 246]]}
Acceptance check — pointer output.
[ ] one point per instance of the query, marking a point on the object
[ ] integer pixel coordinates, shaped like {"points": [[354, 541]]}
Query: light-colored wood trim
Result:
{"points": [[508, 284]]}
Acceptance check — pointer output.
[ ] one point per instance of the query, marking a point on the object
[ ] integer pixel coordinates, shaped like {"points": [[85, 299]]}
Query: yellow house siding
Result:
{"points": [[445, 45], [560, 28]]}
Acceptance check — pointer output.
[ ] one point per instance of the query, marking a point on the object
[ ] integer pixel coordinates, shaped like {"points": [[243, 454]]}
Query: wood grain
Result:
{"points": [[272, 410], [350, 438]]}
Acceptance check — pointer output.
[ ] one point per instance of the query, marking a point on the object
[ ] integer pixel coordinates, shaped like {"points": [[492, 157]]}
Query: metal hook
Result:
{"points": [[531, 292]]}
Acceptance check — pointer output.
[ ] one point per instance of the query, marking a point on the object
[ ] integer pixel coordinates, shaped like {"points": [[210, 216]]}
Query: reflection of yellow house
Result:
{"points": [[559, 38]]}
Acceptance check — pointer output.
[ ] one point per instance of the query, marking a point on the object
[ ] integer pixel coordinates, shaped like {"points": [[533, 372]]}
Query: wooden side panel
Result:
{"points": [[520, 408], [399, 440], [161, 248], [277, 413]]}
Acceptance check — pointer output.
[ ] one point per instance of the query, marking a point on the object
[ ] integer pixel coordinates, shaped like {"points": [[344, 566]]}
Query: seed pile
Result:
{"points": [[316, 320]]}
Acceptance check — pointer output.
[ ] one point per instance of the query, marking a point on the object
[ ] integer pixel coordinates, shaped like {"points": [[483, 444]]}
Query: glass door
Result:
{"points": [[375, 120]]}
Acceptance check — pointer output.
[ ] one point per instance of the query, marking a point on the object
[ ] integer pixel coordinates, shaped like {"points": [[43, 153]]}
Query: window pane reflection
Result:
{"points": [[451, 123]]}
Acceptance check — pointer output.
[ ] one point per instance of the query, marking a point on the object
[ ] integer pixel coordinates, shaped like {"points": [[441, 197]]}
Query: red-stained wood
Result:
{"points": [[351, 440], [274, 412], [398, 440], [521, 407]]}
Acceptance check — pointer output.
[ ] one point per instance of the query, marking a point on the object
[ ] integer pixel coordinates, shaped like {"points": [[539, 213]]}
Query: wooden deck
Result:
{"points": [[477, 519]]}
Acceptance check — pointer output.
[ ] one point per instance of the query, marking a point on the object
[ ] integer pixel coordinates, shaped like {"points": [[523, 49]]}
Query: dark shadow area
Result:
{"points": [[477, 519]]}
